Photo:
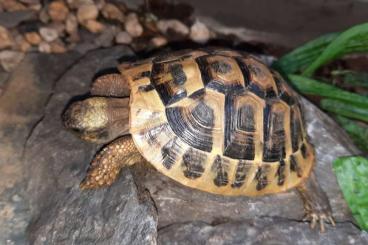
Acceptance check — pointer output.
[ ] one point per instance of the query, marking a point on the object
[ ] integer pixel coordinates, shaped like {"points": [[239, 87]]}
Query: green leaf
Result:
{"points": [[321, 50], [355, 39], [301, 57], [314, 87], [352, 176], [344, 109], [357, 131]]}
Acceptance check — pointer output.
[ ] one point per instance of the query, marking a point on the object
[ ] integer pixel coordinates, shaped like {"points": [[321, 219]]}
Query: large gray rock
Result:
{"points": [[142, 204]]}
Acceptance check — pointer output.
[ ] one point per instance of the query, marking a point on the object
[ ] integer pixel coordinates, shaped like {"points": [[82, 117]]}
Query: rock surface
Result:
{"points": [[41, 192]]}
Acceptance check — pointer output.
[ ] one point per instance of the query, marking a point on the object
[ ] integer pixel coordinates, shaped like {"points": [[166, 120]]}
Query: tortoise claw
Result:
{"points": [[319, 218]]}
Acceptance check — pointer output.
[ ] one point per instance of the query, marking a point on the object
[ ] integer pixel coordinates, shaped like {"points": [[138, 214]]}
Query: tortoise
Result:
{"points": [[215, 120]]}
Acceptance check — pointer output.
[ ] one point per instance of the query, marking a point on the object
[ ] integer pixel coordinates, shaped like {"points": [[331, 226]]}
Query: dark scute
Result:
{"points": [[270, 93], [261, 178], [274, 146], [244, 70], [303, 150], [254, 88], [146, 88], [193, 163], [281, 173], [178, 74], [283, 94], [199, 94], [237, 144], [169, 153], [142, 75], [246, 120], [221, 174], [221, 67], [294, 166], [295, 127], [191, 130], [204, 69], [203, 114], [240, 174]]}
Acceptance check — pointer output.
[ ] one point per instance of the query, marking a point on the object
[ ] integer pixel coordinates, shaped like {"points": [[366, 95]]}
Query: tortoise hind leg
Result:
{"points": [[316, 205], [106, 165], [110, 85]]}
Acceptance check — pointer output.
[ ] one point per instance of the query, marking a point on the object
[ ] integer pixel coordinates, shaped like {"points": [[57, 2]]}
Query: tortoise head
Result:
{"points": [[87, 118]]}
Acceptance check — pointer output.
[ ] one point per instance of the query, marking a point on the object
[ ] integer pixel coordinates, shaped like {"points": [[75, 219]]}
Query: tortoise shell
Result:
{"points": [[220, 121]]}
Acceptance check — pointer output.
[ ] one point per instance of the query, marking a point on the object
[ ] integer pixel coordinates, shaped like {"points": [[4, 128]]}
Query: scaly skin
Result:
{"points": [[107, 164], [316, 205]]}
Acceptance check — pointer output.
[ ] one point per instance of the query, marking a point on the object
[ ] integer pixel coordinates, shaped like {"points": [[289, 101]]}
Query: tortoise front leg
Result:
{"points": [[107, 164], [316, 205]]}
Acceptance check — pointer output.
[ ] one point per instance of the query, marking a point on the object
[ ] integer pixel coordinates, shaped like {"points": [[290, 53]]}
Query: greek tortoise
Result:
{"points": [[216, 120]]}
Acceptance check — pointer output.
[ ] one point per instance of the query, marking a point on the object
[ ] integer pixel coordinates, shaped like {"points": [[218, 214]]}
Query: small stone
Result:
{"points": [[199, 32], [106, 38], [10, 59], [57, 46], [175, 26], [12, 5], [159, 41], [44, 47], [132, 25], [44, 16], [94, 26], [48, 34], [123, 37], [59, 27], [21, 43], [36, 7], [5, 38], [87, 12], [33, 38], [58, 11], [110, 11], [71, 24]]}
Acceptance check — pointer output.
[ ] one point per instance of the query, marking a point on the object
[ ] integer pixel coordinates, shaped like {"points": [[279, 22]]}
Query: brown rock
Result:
{"points": [[21, 43], [123, 37], [159, 41], [44, 47], [9, 59], [87, 12], [175, 26], [94, 26], [5, 38], [12, 5], [44, 16], [48, 34], [57, 46], [71, 24], [132, 25], [33, 38], [199, 32], [58, 11], [110, 11]]}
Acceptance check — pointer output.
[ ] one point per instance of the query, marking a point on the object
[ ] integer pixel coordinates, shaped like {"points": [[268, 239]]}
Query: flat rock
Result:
{"points": [[258, 231], [12, 19]]}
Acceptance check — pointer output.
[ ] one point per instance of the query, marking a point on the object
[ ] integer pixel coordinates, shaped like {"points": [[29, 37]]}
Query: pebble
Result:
{"points": [[12, 5], [94, 26], [44, 47], [33, 38], [48, 34], [44, 16], [57, 47], [71, 24], [106, 38], [199, 32], [132, 25], [110, 11], [10, 59], [174, 25], [5, 38], [21, 43], [58, 11], [159, 41], [87, 12], [123, 37]]}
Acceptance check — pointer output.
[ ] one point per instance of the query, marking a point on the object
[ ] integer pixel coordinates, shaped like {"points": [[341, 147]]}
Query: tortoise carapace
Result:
{"points": [[219, 121]]}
